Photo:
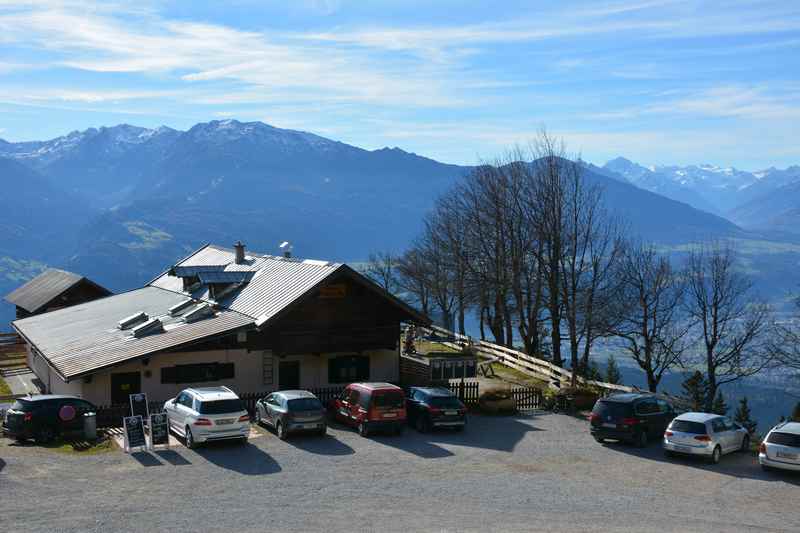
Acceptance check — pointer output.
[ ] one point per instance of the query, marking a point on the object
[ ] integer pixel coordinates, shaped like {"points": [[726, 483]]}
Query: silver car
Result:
{"points": [[705, 434], [203, 414], [291, 411], [780, 449]]}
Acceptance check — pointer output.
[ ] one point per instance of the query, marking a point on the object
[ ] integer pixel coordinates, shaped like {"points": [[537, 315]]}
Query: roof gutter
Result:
{"points": [[39, 352]]}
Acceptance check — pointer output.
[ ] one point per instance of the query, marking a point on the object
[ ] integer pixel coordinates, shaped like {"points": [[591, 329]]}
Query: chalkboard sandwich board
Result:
{"points": [[134, 433], [159, 430], [139, 406]]}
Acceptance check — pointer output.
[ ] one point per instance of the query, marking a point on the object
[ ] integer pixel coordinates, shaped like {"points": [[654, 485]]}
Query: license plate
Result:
{"points": [[684, 449], [609, 425], [451, 413], [309, 426], [784, 455], [224, 421], [389, 415]]}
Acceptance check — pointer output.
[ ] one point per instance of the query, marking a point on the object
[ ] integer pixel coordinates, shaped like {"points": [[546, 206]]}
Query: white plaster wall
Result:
{"points": [[248, 373]]}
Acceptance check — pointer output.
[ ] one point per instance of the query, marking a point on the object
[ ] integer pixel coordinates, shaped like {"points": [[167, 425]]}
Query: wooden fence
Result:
{"points": [[555, 376]]}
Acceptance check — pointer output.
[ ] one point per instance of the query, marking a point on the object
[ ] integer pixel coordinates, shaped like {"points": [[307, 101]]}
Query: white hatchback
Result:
{"points": [[781, 447], [207, 413], [705, 434]]}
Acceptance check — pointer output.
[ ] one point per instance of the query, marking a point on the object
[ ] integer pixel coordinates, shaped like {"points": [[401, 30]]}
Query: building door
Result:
{"points": [[123, 385], [289, 375]]}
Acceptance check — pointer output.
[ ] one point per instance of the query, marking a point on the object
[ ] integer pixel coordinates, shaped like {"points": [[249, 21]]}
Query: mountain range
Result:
{"points": [[763, 200], [119, 204]]}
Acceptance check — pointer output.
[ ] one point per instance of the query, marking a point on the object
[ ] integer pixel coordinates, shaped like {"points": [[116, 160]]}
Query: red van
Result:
{"points": [[371, 407]]}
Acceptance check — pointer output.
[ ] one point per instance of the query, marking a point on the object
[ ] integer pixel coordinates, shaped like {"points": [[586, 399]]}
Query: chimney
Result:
{"points": [[286, 248], [239, 248]]}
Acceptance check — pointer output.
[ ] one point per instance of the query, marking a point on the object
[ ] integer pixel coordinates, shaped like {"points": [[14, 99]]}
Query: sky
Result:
{"points": [[659, 82]]}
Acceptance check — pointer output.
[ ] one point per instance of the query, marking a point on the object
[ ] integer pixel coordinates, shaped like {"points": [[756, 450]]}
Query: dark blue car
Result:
{"points": [[435, 407]]}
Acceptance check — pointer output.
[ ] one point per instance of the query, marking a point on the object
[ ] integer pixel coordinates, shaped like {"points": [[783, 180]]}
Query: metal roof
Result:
{"points": [[225, 277], [84, 338], [276, 282], [44, 288]]}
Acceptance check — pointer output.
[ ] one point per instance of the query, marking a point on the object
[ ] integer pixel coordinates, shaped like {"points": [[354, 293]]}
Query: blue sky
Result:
{"points": [[659, 82]]}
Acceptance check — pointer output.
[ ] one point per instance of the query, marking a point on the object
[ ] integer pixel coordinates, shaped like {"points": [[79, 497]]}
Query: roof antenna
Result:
{"points": [[286, 248]]}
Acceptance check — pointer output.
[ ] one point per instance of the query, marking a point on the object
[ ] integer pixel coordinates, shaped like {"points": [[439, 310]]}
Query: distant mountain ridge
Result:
{"points": [[139, 198], [751, 199]]}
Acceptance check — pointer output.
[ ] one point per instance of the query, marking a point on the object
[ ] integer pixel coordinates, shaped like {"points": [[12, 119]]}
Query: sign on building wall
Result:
{"points": [[335, 291], [134, 433]]}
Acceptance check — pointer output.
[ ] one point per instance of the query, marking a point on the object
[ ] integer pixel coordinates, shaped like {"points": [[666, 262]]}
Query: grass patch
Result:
{"points": [[424, 347], [82, 447], [5, 390], [513, 375]]}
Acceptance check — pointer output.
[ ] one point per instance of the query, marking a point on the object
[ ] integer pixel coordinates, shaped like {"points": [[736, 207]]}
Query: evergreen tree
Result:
{"points": [[695, 389], [720, 407], [796, 413], [613, 375], [742, 416]]}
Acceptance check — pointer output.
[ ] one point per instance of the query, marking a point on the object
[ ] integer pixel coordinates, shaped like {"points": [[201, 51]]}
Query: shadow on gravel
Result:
{"points": [[2, 465], [327, 445], [245, 459], [739, 465], [500, 433], [146, 459], [173, 457]]}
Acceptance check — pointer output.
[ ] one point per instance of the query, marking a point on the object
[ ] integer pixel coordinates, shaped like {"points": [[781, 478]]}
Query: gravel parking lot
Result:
{"points": [[522, 473]]}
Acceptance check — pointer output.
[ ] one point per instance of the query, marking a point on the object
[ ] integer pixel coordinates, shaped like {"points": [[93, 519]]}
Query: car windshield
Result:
{"points": [[391, 400], [445, 402], [687, 426], [784, 439], [304, 404], [218, 407], [612, 409]]}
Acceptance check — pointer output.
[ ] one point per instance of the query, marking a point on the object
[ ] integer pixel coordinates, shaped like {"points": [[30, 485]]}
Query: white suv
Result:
{"points": [[207, 413], [781, 447]]}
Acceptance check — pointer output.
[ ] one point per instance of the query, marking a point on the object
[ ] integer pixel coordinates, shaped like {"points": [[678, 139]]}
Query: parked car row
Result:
{"points": [[215, 413], [642, 418]]}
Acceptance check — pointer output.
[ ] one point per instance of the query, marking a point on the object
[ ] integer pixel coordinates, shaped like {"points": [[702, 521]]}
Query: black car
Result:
{"points": [[45, 416], [633, 418], [432, 407]]}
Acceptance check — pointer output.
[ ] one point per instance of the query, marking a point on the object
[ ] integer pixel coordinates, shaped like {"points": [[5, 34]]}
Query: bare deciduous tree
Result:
{"points": [[732, 325], [650, 324], [413, 278], [381, 269]]}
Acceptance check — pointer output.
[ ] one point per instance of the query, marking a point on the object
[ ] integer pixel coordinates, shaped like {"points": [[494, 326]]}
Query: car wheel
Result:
{"points": [[715, 456], [423, 424], [641, 439], [45, 435], [244, 441], [745, 444], [601, 440], [323, 431], [363, 430], [280, 430], [189, 439]]}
